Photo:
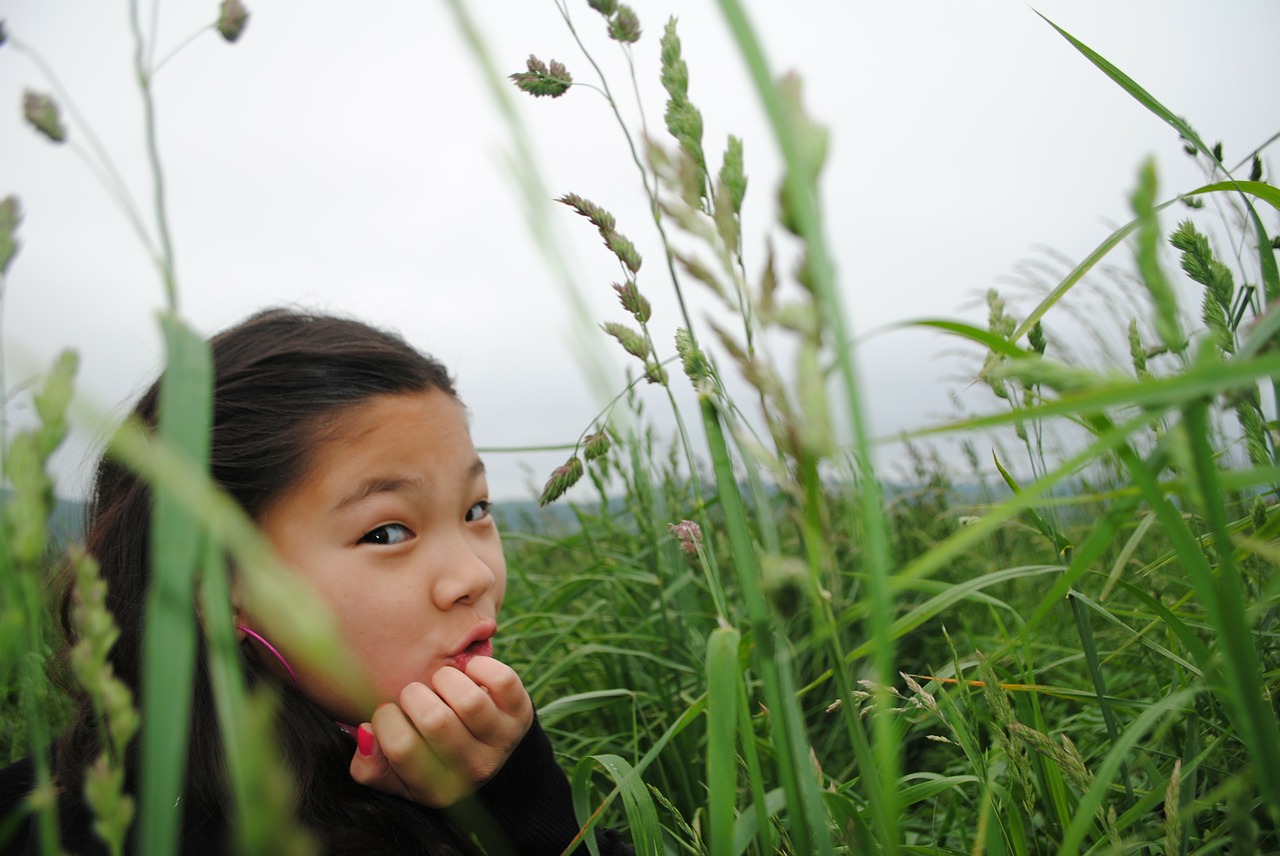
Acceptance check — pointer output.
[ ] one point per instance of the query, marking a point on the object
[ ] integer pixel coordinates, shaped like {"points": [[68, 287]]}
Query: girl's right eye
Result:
{"points": [[388, 533]]}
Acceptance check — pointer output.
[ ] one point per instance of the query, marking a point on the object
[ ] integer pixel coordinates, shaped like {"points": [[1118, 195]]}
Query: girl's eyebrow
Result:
{"points": [[370, 487], [373, 486]]}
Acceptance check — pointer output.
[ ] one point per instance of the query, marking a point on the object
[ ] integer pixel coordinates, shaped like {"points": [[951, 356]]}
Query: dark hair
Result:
{"points": [[282, 380]]}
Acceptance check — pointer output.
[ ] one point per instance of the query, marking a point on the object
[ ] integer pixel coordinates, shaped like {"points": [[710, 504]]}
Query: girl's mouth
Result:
{"points": [[478, 648]]}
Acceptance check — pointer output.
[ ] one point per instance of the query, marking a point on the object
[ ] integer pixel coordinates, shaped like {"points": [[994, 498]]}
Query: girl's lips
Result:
{"points": [[479, 648], [477, 643]]}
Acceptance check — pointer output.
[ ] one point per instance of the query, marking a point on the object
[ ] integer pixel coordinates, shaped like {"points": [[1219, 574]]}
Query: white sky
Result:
{"points": [[346, 156]]}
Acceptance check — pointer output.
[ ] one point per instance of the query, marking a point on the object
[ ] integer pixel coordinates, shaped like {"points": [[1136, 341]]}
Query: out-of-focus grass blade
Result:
{"points": [[747, 826], [1266, 192], [169, 642], [986, 338], [1113, 392], [1126, 553], [1224, 598], [722, 728]]}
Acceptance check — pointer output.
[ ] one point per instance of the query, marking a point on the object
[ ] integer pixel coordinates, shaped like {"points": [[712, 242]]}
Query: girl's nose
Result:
{"points": [[464, 576]]}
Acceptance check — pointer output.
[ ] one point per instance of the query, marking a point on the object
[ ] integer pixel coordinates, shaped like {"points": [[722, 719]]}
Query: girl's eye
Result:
{"points": [[479, 511], [388, 533]]}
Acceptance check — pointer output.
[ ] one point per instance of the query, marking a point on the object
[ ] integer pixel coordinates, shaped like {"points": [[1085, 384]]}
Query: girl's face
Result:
{"points": [[391, 526]]}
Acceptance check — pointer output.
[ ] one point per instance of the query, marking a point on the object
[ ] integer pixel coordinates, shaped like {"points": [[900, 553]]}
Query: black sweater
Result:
{"points": [[528, 801]]}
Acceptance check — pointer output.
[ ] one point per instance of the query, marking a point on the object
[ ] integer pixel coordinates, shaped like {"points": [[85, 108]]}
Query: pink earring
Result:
{"points": [[272, 649]]}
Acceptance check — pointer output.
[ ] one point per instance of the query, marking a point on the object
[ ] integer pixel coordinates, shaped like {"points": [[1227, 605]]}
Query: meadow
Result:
{"points": [[1066, 645]]}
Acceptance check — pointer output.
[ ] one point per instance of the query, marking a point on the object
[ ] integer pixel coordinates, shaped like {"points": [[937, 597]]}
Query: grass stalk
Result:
{"points": [[802, 198]]}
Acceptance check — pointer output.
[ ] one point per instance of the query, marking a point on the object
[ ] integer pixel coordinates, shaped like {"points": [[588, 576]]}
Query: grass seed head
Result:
{"points": [[624, 25], [675, 72], [232, 18], [539, 80], [604, 7], [41, 112], [562, 478], [596, 446], [693, 360], [10, 219], [732, 177], [633, 301], [655, 373], [688, 533], [633, 342]]}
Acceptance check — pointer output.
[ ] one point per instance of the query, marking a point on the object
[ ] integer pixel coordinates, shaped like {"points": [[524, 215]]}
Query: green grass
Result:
{"points": [[1085, 660]]}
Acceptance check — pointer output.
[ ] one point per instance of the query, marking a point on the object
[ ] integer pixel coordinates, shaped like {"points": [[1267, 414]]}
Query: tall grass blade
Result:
{"points": [[722, 728], [795, 139], [1090, 650], [1256, 719], [169, 641]]}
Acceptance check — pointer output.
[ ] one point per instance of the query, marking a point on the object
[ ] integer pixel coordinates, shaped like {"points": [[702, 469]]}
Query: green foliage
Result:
{"points": [[776, 651]]}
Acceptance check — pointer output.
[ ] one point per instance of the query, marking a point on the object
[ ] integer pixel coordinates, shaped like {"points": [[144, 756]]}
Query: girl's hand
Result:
{"points": [[441, 743]]}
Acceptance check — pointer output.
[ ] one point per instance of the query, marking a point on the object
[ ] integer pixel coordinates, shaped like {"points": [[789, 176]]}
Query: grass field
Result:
{"points": [[764, 650]]}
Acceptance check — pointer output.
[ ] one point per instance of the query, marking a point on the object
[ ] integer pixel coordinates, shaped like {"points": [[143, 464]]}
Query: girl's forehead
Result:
{"points": [[420, 436]]}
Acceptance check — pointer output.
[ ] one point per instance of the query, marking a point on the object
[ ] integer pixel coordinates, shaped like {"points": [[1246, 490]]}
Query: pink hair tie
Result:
{"points": [[272, 649]]}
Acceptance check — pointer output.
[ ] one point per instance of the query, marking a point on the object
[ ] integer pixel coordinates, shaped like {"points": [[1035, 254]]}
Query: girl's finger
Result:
{"points": [[473, 705], [503, 686], [370, 767], [438, 729]]}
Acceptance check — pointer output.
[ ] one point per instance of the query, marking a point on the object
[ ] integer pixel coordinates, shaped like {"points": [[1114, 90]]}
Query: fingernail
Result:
{"points": [[364, 741]]}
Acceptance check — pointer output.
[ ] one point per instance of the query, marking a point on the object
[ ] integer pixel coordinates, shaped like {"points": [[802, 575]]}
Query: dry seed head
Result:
{"points": [[540, 80], [10, 218], [232, 18], [688, 533], [42, 113], [633, 301], [926, 698], [624, 26]]}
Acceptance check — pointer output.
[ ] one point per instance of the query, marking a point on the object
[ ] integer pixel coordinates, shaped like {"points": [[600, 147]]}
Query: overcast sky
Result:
{"points": [[347, 157]]}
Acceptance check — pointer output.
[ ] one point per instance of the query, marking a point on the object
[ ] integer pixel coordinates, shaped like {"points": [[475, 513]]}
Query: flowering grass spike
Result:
{"points": [[541, 80]]}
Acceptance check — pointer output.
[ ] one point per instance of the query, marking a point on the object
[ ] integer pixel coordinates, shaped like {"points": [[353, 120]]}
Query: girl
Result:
{"points": [[351, 451]]}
